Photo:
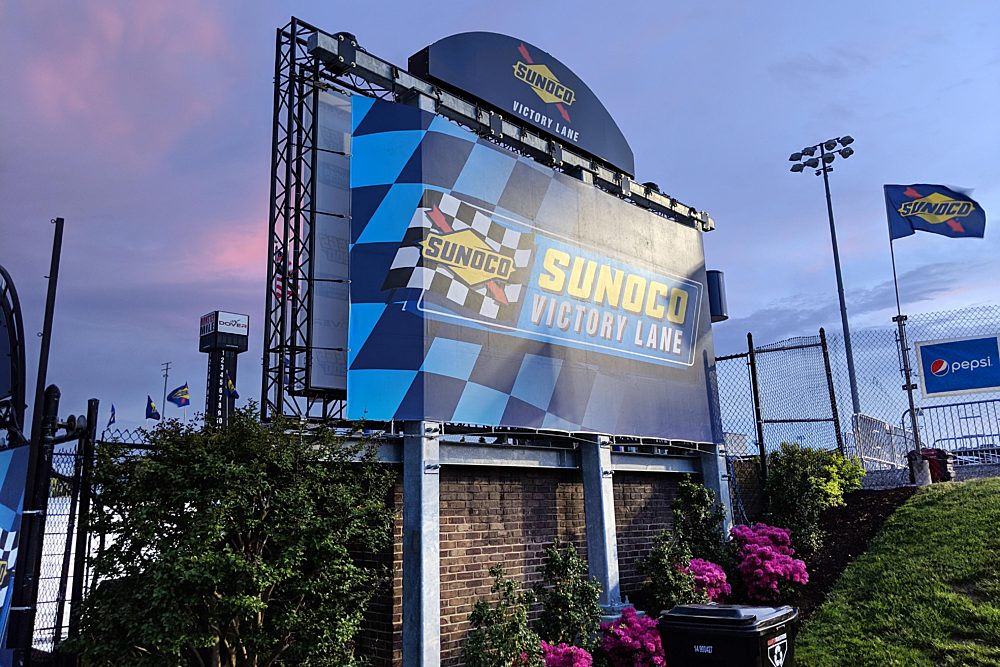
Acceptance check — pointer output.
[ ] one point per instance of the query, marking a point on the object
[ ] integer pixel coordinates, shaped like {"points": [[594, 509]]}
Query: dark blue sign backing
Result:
{"points": [[959, 366], [525, 82]]}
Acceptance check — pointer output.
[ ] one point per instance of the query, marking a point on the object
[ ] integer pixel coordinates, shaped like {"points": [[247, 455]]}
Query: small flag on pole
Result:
{"points": [[151, 411], [932, 208], [111, 417], [231, 388], [180, 396]]}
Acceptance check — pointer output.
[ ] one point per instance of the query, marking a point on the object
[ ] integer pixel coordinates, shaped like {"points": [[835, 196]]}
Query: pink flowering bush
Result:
{"points": [[565, 655], [765, 563], [709, 579], [632, 641]]}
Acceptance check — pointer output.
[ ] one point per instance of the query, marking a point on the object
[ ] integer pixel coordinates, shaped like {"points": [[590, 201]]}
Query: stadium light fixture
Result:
{"points": [[827, 155]]}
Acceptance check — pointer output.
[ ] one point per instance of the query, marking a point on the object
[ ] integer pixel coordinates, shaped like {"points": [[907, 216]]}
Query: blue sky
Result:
{"points": [[147, 126]]}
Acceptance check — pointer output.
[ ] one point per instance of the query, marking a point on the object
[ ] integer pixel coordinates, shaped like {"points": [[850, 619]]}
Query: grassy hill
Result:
{"points": [[926, 592]]}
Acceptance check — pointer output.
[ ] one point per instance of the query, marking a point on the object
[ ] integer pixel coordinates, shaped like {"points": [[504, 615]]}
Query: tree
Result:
{"points": [[230, 546]]}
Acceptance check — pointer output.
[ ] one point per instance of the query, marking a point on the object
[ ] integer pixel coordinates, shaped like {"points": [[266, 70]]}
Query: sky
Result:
{"points": [[147, 126]]}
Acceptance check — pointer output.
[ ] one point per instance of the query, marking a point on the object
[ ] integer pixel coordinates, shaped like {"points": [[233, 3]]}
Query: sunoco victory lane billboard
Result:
{"points": [[488, 289]]}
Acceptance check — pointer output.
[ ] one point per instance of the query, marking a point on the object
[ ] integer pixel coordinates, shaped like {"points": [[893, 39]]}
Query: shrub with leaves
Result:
{"points": [[569, 597], [632, 641], [766, 567], [699, 523], [801, 483], [564, 655], [709, 579], [670, 582], [228, 546], [500, 635]]}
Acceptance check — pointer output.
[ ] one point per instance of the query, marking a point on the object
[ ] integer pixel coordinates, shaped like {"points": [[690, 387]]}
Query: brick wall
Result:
{"points": [[643, 503], [496, 515], [508, 516]]}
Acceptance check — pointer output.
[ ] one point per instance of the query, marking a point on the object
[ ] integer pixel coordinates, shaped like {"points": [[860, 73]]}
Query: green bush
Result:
{"points": [[500, 634], [570, 610], [699, 523], [698, 532], [668, 584], [229, 546], [803, 482]]}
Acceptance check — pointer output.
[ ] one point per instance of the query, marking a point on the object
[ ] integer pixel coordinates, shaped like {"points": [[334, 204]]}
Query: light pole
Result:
{"points": [[828, 152]]}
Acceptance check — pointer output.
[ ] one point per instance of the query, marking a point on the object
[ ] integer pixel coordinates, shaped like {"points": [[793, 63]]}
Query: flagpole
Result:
{"points": [[904, 354]]}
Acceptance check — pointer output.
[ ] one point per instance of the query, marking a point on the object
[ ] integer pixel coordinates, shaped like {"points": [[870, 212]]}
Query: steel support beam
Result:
{"points": [[599, 511], [421, 545]]}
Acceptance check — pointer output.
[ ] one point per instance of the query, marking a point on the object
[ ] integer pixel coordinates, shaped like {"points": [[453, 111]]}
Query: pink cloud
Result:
{"points": [[128, 78]]}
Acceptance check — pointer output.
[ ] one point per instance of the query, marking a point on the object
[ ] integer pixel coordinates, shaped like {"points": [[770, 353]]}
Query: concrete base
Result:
{"points": [[921, 470]]}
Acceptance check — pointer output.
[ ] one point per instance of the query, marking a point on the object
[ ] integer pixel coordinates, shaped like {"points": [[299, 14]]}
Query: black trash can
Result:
{"points": [[724, 635]]}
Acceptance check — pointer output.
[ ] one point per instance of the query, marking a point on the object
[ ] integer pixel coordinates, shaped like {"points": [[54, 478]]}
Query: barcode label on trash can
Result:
{"points": [[777, 647], [702, 648]]}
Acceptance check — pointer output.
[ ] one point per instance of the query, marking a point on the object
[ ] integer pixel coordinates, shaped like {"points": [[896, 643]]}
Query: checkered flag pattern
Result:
{"points": [[442, 213], [8, 551]]}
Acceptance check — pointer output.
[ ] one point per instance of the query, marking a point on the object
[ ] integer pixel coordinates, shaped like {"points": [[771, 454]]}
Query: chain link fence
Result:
{"points": [[55, 579], [792, 386], [771, 394]]}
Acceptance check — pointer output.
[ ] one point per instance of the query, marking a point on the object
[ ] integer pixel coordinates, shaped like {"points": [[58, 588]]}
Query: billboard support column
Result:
{"points": [[714, 475], [599, 511], [421, 545]]}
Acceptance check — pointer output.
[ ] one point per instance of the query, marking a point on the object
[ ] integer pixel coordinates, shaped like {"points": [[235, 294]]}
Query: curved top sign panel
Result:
{"points": [[523, 81]]}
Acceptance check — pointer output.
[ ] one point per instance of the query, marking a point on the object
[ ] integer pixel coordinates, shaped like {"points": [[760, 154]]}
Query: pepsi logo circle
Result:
{"points": [[939, 367]]}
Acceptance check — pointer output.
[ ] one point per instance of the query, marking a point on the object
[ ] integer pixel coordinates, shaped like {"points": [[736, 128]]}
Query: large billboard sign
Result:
{"points": [[488, 289], [524, 81], [959, 366]]}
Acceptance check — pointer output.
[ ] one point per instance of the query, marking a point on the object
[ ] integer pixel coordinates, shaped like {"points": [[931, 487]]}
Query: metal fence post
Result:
{"points": [[86, 455], [834, 413], [21, 622], [904, 353], [758, 411]]}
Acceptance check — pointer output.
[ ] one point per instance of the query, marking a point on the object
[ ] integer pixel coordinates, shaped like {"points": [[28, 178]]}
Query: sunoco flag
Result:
{"points": [[932, 208], [180, 396]]}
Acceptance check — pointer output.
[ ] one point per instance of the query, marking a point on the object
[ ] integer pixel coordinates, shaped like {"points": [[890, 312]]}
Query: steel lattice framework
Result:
{"points": [[307, 62]]}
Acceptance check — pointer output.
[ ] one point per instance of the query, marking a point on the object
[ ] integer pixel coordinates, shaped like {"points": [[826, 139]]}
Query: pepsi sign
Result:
{"points": [[959, 366]]}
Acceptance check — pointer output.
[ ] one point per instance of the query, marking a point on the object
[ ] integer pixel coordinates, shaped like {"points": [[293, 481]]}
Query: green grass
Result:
{"points": [[926, 592]]}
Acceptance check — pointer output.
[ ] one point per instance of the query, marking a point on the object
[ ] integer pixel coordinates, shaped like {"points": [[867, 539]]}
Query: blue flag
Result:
{"points": [[151, 411], [111, 418], [180, 396], [231, 387], [932, 208]]}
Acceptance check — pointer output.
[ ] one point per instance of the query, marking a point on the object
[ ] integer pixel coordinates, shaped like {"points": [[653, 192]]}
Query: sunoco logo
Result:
{"points": [[544, 83], [468, 256], [936, 208]]}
